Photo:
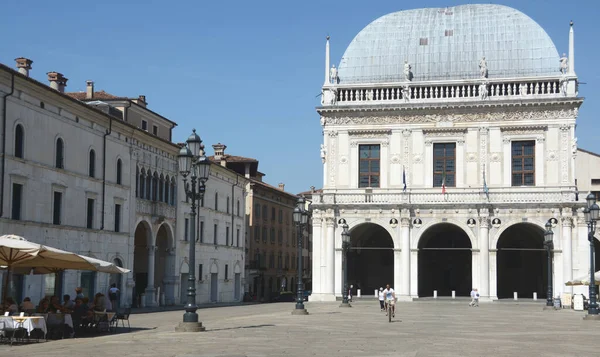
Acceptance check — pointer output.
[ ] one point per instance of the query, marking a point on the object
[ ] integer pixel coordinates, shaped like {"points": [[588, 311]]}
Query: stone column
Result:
{"points": [[317, 227], [567, 249], [493, 274], [484, 255], [405, 257], [150, 290], [329, 279], [398, 282], [414, 273]]}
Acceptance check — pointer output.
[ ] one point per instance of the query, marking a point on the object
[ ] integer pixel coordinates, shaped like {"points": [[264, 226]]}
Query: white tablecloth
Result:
{"points": [[28, 323]]}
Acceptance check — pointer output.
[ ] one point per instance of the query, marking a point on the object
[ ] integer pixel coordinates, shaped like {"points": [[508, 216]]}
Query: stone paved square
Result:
{"points": [[440, 328]]}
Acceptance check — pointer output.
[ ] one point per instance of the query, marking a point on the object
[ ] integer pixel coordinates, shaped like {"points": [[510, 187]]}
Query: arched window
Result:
{"points": [[148, 185], [216, 201], [155, 187], [92, 164], [137, 181], [60, 154], [174, 192], [120, 172], [227, 204], [161, 189], [167, 189], [19, 141], [238, 208]]}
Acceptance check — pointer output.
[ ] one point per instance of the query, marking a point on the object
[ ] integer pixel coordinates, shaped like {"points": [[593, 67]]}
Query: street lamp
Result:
{"points": [[193, 163], [548, 242], [345, 248], [300, 217], [591, 213]]}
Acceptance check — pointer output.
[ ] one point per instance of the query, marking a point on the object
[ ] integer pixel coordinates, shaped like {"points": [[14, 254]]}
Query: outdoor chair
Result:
{"points": [[124, 316]]}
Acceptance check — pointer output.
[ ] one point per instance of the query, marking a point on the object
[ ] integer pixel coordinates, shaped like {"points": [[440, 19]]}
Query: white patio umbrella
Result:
{"points": [[584, 280], [20, 255]]}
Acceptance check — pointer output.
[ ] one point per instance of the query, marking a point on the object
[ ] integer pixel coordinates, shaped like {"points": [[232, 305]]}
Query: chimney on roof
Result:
{"points": [[281, 186], [220, 153], [57, 81], [142, 101], [24, 65], [312, 189], [89, 90]]}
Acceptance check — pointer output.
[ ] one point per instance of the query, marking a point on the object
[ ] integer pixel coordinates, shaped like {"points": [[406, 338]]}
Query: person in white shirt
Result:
{"points": [[474, 298], [390, 298], [381, 302]]}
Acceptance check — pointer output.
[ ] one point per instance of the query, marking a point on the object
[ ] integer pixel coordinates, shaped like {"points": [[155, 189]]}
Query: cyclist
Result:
{"points": [[390, 298]]}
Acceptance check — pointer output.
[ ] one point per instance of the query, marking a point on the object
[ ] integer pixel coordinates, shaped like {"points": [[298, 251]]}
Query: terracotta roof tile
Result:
{"points": [[232, 158], [99, 95], [272, 187]]}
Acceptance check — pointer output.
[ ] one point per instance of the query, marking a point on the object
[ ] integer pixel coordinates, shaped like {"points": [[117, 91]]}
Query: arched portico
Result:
{"points": [[164, 263], [370, 258], [141, 260], [521, 261], [444, 261]]}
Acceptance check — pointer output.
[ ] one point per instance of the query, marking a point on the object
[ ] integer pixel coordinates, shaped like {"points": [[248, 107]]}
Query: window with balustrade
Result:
{"points": [[444, 164]]}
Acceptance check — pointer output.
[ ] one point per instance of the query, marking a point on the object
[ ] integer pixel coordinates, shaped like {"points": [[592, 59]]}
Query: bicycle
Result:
{"points": [[390, 310]]}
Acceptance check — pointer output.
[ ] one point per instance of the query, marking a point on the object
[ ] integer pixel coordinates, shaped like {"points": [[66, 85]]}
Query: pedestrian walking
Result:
{"points": [[381, 300], [474, 298]]}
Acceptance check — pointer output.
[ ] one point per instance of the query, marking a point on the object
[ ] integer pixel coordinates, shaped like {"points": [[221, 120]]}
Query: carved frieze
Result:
{"points": [[455, 117], [524, 129], [375, 133]]}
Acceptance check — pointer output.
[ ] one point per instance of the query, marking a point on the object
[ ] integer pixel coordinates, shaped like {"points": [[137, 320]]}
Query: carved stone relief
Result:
{"points": [[496, 157], [395, 159], [565, 133], [552, 155], [471, 157], [455, 117], [417, 158]]}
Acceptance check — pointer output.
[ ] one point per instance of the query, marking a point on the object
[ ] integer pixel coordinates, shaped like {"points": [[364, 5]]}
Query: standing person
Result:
{"points": [[350, 293], [79, 293], [476, 299], [390, 298], [381, 303], [113, 295]]}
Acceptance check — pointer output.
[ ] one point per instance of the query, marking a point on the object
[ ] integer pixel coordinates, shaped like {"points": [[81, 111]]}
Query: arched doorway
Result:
{"points": [[445, 262], [163, 262], [370, 258], [522, 262], [143, 235]]}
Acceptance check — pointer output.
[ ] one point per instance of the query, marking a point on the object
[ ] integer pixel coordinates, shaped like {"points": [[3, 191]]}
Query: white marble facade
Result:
{"points": [[481, 115], [145, 232]]}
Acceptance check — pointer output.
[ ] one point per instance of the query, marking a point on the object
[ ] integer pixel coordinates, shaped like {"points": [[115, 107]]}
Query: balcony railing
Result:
{"points": [[152, 208], [448, 91], [504, 195]]}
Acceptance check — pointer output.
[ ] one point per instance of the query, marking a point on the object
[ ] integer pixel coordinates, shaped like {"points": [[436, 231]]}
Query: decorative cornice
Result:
{"points": [[465, 117], [445, 132], [524, 129], [370, 132]]}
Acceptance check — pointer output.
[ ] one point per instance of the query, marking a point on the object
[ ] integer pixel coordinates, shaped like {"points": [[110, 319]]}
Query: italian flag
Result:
{"points": [[443, 182]]}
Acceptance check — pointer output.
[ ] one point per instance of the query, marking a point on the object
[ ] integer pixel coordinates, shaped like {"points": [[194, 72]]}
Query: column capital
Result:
{"points": [[152, 248], [566, 221], [405, 222], [317, 221], [330, 221], [484, 222]]}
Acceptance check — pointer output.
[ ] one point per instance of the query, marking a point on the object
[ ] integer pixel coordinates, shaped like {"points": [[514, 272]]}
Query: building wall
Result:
{"points": [[219, 254], [587, 169]]}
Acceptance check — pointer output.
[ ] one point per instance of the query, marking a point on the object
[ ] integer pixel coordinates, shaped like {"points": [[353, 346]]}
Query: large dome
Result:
{"points": [[447, 43]]}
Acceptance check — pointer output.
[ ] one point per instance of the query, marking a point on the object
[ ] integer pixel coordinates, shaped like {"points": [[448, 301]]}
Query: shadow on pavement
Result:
{"points": [[239, 327]]}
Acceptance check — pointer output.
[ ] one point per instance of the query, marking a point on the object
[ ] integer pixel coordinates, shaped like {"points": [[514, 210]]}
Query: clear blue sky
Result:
{"points": [[244, 73]]}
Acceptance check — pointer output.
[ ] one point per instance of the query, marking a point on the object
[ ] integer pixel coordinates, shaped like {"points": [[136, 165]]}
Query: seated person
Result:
{"points": [[43, 306], [81, 315], [27, 305], [10, 306], [99, 304], [54, 306], [68, 304]]}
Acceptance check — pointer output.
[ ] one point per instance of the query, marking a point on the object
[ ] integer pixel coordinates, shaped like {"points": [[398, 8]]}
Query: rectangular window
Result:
{"points": [[186, 229], [423, 41], [226, 235], [597, 194], [444, 164], [257, 210], [264, 234], [57, 207], [200, 272], [237, 237], [17, 200], [226, 271], [449, 33], [594, 182], [215, 241], [144, 125], [90, 213], [280, 216], [368, 172], [272, 213], [201, 231], [523, 163], [154, 129], [117, 217], [256, 233]]}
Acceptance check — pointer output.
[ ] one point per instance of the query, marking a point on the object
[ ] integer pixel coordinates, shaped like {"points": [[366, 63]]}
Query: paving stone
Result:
{"points": [[419, 329]]}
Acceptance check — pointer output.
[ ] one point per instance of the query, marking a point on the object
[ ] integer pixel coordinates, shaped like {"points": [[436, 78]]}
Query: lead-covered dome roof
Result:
{"points": [[448, 43]]}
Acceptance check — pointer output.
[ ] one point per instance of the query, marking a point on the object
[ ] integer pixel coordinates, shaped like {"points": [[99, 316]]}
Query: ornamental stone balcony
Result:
{"points": [[156, 209], [453, 196]]}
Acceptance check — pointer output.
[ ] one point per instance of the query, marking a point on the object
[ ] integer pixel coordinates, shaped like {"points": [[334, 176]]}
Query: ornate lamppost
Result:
{"points": [[300, 217], [591, 213], [194, 163], [345, 248], [548, 242]]}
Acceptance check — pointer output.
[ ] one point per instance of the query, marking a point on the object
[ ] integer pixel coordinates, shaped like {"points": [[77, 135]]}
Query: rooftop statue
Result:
{"points": [[483, 90], [333, 75], [407, 72], [564, 64], [483, 68], [406, 93]]}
